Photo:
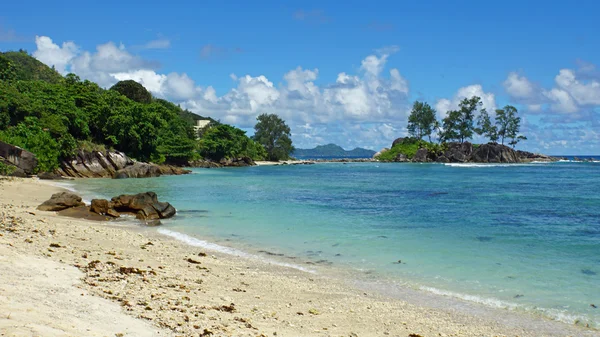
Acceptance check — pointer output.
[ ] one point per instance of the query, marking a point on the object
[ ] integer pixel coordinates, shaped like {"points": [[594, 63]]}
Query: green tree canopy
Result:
{"points": [[459, 124], [133, 90], [225, 141], [421, 121], [274, 135]]}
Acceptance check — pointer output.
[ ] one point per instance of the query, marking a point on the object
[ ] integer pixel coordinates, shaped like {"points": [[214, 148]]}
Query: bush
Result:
{"points": [[30, 136], [408, 147], [133, 90], [225, 141], [6, 170]]}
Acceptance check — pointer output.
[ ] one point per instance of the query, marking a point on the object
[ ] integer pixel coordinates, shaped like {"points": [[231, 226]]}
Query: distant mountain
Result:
{"points": [[333, 151]]}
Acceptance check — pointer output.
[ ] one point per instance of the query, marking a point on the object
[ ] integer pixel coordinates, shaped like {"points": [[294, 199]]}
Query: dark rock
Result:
{"points": [[138, 170], [204, 164], [458, 152], [83, 212], [49, 176], [237, 162], [494, 153], [442, 159], [17, 172], [401, 158], [144, 205], [100, 206], [22, 159], [527, 157], [60, 201], [113, 213], [421, 156], [398, 141]]}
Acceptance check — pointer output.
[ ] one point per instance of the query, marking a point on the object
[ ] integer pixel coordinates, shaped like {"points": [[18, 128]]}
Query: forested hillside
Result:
{"points": [[53, 116]]}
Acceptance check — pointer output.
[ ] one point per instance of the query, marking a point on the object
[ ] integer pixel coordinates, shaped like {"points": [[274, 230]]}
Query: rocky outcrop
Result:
{"points": [[60, 201], [23, 161], [112, 164], [494, 153], [138, 170], [421, 156], [458, 152], [401, 158], [204, 164], [94, 164], [237, 162], [527, 157], [145, 206], [398, 141]]}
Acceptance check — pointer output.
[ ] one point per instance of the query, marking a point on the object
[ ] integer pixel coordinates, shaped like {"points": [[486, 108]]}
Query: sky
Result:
{"points": [[345, 74]]}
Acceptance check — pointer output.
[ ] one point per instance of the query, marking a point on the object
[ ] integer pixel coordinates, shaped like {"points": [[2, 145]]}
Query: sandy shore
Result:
{"points": [[67, 277]]}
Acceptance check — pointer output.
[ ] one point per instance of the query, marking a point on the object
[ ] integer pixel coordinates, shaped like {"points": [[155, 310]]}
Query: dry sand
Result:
{"points": [[68, 277]]}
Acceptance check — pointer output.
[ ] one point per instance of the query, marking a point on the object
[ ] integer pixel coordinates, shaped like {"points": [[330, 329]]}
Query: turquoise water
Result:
{"points": [[524, 237]]}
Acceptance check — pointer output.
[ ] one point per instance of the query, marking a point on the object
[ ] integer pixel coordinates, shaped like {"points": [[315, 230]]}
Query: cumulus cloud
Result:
{"points": [[518, 86], [54, 55], [444, 105]]}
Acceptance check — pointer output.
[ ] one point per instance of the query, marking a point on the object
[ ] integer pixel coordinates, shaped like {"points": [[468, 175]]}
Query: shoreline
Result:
{"points": [[267, 298]]}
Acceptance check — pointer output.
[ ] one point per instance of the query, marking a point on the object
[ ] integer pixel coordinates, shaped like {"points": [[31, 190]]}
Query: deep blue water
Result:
{"points": [[522, 236]]}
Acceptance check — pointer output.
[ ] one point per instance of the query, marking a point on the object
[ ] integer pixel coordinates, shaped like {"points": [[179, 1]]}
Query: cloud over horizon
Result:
{"points": [[367, 108]]}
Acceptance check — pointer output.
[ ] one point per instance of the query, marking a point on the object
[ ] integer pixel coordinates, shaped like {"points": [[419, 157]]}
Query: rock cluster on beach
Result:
{"points": [[144, 206]]}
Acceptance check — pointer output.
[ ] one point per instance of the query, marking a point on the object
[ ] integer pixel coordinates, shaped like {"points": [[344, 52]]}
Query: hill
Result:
{"points": [[333, 151], [28, 68]]}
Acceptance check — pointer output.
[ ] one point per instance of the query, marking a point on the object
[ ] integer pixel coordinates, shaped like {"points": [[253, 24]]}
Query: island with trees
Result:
{"points": [[454, 132]]}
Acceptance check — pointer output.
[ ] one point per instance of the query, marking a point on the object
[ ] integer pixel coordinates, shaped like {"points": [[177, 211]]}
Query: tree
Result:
{"points": [[133, 90], [509, 124], [225, 141], [485, 126], [421, 121], [274, 135], [459, 124]]}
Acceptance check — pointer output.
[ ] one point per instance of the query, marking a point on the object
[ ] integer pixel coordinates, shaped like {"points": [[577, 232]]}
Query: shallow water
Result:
{"points": [[524, 237]]}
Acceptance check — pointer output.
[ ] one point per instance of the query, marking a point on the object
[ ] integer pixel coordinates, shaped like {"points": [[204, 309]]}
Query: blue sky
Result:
{"points": [[344, 74]]}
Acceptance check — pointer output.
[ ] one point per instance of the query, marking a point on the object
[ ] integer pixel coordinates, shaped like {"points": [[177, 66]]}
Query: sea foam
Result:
{"points": [[192, 241]]}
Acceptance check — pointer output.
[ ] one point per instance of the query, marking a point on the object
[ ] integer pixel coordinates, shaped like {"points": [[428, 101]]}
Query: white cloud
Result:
{"points": [[518, 87], [488, 100], [53, 54], [584, 94], [561, 101]]}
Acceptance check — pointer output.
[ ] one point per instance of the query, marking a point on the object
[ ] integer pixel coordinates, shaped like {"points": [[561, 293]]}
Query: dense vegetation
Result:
{"points": [[54, 116], [332, 150], [274, 135], [225, 141], [408, 147]]}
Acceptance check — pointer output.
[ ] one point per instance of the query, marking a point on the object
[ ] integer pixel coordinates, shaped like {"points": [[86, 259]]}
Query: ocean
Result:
{"points": [[520, 237]]}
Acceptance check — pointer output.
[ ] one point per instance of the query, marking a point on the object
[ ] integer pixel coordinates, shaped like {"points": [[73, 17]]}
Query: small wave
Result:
{"points": [[554, 314], [66, 186], [472, 165], [222, 249], [491, 302]]}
